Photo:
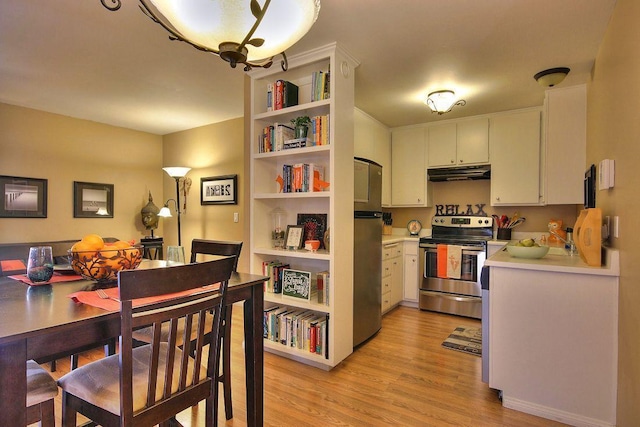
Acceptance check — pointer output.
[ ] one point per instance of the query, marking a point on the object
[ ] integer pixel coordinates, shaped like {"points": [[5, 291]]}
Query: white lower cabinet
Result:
{"points": [[392, 275], [411, 272]]}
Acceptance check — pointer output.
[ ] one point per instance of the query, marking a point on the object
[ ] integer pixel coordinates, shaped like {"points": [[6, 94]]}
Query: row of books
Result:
{"points": [[320, 85], [281, 94], [302, 178], [273, 138], [301, 329], [278, 136], [273, 270]]}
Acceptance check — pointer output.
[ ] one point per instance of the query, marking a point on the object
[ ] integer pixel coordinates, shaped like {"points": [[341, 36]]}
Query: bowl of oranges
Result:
{"points": [[94, 259]]}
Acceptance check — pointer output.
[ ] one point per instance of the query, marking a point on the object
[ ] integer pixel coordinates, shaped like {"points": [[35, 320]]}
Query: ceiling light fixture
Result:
{"points": [[240, 32], [552, 76], [442, 101]]}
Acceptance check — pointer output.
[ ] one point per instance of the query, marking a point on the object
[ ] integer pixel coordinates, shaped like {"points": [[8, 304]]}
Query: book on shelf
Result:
{"points": [[295, 143], [296, 328], [269, 96], [322, 280], [273, 270], [286, 94]]}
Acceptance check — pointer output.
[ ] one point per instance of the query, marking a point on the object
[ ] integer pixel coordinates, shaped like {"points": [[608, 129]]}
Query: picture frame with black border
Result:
{"points": [[293, 239], [315, 224], [219, 190], [92, 200], [23, 197]]}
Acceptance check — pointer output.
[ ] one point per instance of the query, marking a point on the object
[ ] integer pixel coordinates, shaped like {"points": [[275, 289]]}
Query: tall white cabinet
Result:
{"points": [[336, 201]]}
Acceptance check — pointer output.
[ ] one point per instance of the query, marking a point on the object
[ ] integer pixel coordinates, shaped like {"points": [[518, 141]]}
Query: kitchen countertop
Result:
{"points": [[558, 263]]}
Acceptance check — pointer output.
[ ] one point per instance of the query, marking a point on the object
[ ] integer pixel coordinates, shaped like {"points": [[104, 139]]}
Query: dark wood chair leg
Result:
{"points": [[53, 366], [225, 378], [74, 361], [46, 412]]}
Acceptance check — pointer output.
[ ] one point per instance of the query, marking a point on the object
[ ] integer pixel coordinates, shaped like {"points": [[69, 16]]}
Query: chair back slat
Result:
{"points": [[216, 247], [175, 380]]}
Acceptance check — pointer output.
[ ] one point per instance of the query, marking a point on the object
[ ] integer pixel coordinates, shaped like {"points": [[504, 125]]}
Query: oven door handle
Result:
{"points": [[464, 248], [455, 298]]}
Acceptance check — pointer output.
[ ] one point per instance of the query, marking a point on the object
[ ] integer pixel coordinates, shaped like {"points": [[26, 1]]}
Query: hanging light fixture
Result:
{"points": [[552, 76], [442, 101], [240, 31]]}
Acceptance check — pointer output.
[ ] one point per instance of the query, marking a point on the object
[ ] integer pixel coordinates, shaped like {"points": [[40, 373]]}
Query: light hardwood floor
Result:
{"points": [[401, 377]]}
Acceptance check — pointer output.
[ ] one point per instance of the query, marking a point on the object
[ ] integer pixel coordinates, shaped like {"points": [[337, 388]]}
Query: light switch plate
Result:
{"points": [[606, 174]]}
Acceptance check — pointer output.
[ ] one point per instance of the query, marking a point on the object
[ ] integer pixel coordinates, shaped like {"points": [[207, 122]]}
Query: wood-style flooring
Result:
{"points": [[401, 377]]}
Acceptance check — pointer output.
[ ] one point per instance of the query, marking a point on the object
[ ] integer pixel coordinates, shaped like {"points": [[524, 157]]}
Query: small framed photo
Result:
{"points": [[92, 200], [293, 239], [219, 190], [23, 197]]}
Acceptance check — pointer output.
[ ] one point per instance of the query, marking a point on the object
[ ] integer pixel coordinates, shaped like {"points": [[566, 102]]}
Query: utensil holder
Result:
{"points": [[504, 234]]}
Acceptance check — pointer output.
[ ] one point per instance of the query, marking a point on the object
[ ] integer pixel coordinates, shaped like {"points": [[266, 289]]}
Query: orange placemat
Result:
{"points": [[113, 304], [12, 266], [56, 278]]}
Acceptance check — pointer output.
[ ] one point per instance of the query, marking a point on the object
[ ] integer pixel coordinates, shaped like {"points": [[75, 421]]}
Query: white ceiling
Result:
{"points": [[78, 59]]}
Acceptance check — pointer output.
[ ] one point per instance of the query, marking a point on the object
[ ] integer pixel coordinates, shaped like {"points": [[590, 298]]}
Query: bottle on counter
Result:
{"points": [[570, 244]]}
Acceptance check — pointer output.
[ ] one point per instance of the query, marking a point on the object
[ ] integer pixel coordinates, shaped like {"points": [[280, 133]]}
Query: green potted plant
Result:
{"points": [[301, 124]]}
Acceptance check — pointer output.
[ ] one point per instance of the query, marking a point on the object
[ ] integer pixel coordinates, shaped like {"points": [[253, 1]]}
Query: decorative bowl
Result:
{"points": [[531, 252], [103, 265], [312, 245]]}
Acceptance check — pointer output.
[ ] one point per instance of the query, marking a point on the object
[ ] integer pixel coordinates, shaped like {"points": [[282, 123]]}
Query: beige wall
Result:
{"points": [[36, 144], [463, 193], [613, 132], [211, 150]]}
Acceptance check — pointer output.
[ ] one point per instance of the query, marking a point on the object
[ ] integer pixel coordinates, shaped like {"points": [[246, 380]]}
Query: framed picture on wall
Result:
{"points": [[92, 200], [219, 190], [23, 197]]}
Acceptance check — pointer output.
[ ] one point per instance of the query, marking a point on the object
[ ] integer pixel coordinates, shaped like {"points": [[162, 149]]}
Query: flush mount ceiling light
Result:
{"points": [[442, 101], [552, 76], [240, 32]]}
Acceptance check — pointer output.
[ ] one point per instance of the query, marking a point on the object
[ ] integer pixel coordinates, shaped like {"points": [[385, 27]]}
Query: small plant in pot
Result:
{"points": [[301, 125]]}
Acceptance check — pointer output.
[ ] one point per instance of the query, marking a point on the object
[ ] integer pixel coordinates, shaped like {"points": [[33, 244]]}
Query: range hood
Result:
{"points": [[460, 173]]}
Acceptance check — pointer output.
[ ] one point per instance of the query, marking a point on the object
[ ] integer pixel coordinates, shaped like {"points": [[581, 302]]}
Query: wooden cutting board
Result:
{"points": [[588, 236]]}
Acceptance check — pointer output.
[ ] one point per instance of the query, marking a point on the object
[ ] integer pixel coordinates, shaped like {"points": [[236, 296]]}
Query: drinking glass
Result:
{"points": [[175, 254], [40, 264]]}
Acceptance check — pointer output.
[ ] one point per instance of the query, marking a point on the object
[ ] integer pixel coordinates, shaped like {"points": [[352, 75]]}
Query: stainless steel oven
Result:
{"points": [[466, 237]]}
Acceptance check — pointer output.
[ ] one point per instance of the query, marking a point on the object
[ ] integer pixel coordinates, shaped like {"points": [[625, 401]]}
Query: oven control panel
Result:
{"points": [[463, 221]]}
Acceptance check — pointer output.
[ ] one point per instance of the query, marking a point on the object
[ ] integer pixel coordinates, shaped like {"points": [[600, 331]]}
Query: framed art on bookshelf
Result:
{"points": [[314, 226], [293, 239]]}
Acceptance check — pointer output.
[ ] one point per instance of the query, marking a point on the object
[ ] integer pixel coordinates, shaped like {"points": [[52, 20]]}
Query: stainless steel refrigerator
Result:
{"points": [[367, 250]]}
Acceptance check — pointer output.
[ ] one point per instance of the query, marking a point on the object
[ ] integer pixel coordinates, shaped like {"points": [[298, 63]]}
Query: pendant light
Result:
{"points": [[240, 31]]}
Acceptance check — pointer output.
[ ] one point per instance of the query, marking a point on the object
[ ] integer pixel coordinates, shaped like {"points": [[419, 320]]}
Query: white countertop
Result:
{"points": [[558, 263]]}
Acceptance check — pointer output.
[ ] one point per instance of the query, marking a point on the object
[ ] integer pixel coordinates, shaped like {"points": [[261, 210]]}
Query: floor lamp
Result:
{"points": [[176, 173]]}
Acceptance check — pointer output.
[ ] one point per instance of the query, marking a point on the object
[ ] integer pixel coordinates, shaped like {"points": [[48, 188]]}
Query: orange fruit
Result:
{"points": [[93, 241], [121, 244], [84, 250]]}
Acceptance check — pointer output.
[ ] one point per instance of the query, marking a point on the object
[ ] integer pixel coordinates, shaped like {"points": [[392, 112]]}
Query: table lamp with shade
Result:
{"points": [[176, 173]]}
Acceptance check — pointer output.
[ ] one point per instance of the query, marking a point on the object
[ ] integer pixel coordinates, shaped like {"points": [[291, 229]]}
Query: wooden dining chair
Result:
{"points": [[200, 248], [41, 390], [158, 380]]}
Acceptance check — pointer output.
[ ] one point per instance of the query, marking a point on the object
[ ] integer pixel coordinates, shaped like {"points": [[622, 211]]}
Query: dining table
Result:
{"points": [[43, 323]]}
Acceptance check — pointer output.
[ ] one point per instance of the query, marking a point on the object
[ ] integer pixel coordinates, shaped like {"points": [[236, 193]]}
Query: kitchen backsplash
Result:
{"points": [[473, 197]]}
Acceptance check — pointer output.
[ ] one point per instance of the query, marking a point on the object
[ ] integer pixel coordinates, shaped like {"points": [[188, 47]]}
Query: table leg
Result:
{"points": [[254, 356], [13, 373]]}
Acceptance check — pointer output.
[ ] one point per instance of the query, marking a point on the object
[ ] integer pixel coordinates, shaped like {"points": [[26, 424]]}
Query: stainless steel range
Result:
{"points": [[451, 263]]}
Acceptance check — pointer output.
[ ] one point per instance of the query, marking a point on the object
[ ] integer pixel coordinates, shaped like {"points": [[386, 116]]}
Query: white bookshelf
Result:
{"points": [[336, 201]]}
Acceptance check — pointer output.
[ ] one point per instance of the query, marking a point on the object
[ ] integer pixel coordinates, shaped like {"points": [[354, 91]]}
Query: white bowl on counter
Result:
{"points": [[530, 252]]}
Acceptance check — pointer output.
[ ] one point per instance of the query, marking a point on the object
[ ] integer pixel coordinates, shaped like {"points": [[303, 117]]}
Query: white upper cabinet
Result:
{"points": [[464, 142], [565, 113], [408, 168], [515, 158], [372, 140]]}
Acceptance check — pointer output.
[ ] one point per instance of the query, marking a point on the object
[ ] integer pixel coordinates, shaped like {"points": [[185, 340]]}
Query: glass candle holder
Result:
{"points": [[40, 264], [278, 227]]}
